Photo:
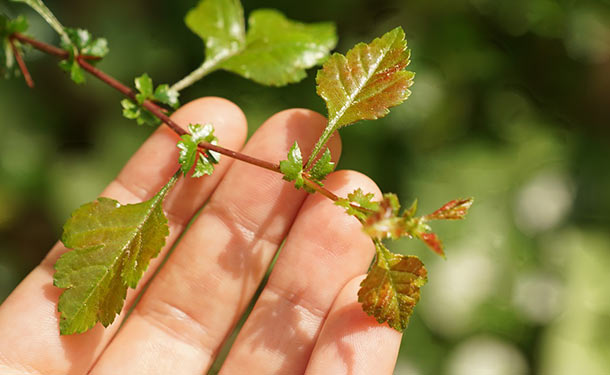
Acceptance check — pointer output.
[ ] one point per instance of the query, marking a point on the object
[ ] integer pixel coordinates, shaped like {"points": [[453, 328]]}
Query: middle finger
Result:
{"points": [[199, 295]]}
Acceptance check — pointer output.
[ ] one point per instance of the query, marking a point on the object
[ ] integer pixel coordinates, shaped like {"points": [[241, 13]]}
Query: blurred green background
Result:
{"points": [[511, 105]]}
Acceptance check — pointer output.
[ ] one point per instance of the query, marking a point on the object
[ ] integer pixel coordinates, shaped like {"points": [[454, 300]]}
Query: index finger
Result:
{"points": [[29, 321]]}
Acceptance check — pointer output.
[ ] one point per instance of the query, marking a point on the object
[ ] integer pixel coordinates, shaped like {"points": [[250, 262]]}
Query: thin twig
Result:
{"points": [[158, 111], [21, 63], [41, 46]]}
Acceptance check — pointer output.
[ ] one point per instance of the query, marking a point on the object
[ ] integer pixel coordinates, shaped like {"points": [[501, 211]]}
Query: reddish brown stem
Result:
{"points": [[320, 189], [21, 63], [159, 112], [41, 46], [47, 48]]}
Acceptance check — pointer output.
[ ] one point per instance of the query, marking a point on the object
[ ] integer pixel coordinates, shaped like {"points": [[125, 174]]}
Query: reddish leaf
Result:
{"points": [[391, 289], [364, 84], [385, 222], [454, 210], [433, 242]]}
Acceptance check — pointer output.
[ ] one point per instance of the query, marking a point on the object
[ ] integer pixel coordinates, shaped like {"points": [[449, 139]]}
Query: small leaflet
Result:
{"points": [[359, 204], [322, 168], [87, 46], [162, 94], [292, 168], [190, 156], [453, 210], [383, 220]]}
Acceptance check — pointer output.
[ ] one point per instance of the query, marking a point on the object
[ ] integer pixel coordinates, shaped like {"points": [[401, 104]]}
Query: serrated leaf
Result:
{"points": [[364, 204], [279, 50], [112, 247], [275, 50], [77, 75], [144, 85], [391, 289], [292, 168], [85, 45], [147, 118], [385, 222], [453, 210], [365, 83], [220, 23], [130, 109], [368, 80], [433, 242], [203, 167], [322, 168], [187, 154], [188, 146], [166, 95], [162, 94], [202, 133], [134, 111]]}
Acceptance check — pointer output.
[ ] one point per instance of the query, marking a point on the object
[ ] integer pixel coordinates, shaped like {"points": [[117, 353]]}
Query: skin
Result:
{"points": [[307, 319]]}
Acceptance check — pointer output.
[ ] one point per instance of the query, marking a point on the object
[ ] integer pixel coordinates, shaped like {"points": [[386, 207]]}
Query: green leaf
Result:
{"points": [[279, 50], [365, 83], [202, 133], [9, 26], [85, 45], [203, 167], [391, 289], [130, 109], [188, 147], [358, 204], [275, 51], [162, 94], [112, 247], [220, 23], [144, 85], [187, 154], [165, 95], [368, 80], [293, 167], [322, 168], [77, 75], [134, 111]]}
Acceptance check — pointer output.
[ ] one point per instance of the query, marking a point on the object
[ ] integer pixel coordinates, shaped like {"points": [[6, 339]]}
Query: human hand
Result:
{"points": [[307, 318]]}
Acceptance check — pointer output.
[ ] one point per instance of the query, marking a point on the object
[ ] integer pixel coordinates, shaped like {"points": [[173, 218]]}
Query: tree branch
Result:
{"points": [[158, 111]]}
